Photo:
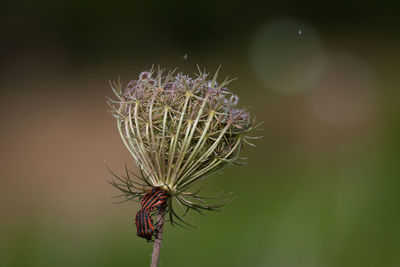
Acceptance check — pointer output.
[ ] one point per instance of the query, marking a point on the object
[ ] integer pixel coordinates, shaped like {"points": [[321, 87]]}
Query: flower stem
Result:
{"points": [[158, 237]]}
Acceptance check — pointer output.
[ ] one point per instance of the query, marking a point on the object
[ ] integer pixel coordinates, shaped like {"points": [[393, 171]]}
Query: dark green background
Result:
{"points": [[315, 192]]}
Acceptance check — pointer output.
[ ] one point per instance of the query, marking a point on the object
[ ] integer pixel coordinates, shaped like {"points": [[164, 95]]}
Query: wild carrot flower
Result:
{"points": [[179, 130]]}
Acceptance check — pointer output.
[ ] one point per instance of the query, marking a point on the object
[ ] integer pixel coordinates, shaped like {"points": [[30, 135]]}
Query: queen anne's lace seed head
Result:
{"points": [[179, 130]]}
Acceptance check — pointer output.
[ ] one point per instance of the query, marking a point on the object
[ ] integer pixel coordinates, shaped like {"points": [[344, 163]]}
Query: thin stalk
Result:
{"points": [[158, 237], [155, 144], [206, 154], [163, 141], [188, 142], [202, 139], [172, 153]]}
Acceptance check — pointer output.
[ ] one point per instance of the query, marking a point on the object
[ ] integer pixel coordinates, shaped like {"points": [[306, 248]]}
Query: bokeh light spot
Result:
{"points": [[284, 60]]}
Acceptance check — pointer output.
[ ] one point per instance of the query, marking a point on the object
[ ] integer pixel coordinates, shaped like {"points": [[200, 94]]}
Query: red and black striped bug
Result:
{"points": [[152, 201], [144, 224]]}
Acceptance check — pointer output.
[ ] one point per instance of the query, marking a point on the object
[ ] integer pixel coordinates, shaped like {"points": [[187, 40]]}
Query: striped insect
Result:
{"points": [[152, 201], [144, 224]]}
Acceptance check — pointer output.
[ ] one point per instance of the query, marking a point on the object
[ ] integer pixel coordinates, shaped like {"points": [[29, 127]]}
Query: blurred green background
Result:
{"points": [[322, 187]]}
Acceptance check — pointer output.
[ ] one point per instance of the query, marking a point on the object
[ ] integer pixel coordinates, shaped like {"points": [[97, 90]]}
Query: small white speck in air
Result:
{"points": [[185, 57]]}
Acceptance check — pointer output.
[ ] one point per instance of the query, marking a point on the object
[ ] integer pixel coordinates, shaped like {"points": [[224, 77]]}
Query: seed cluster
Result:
{"points": [[179, 130]]}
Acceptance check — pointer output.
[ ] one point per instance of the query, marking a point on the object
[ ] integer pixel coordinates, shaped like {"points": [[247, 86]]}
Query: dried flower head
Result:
{"points": [[179, 130]]}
